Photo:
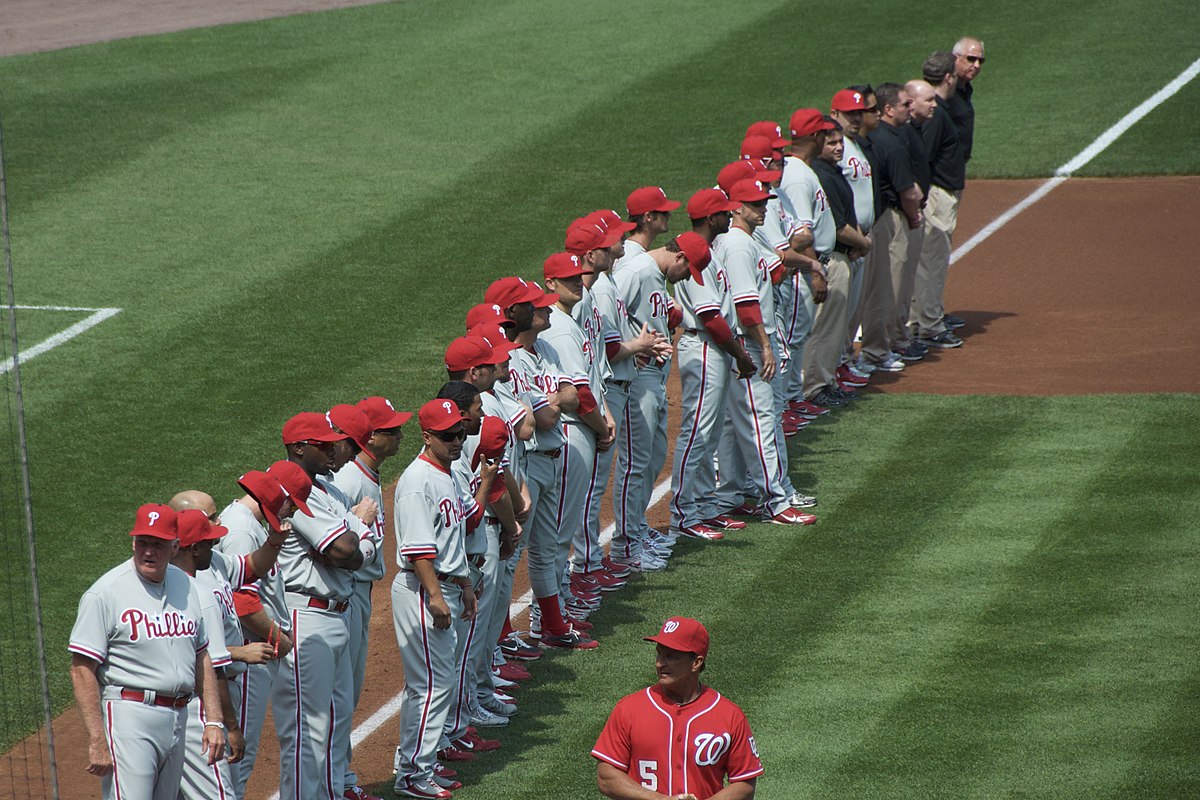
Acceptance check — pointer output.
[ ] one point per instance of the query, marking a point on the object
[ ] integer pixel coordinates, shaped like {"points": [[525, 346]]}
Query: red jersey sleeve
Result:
{"points": [[613, 746], [743, 763]]}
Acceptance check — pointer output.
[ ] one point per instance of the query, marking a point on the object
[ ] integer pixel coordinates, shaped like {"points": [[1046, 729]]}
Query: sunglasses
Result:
{"points": [[871, 110], [974, 59], [451, 436], [319, 445]]}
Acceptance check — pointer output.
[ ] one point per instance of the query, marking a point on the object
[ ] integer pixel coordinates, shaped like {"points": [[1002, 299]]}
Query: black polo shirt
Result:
{"points": [[840, 196], [920, 157], [945, 153], [962, 111], [894, 162]]}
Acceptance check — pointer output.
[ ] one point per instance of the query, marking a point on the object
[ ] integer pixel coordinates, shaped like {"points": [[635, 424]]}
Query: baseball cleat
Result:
{"points": [[441, 770], [798, 500], [453, 753], [571, 640], [513, 646], [790, 516], [725, 523], [807, 409], [747, 510], [449, 784], [472, 742], [579, 624], [358, 793], [701, 531], [615, 569], [512, 672], [423, 789], [487, 719], [497, 706], [607, 581], [847, 376]]}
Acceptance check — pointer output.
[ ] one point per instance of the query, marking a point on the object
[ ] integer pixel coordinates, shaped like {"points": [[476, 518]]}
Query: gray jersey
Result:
{"points": [[617, 327], [431, 508], [331, 518], [801, 192], [565, 344], [540, 377], [588, 315], [857, 170], [643, 287], [358, 482], [748, 265], [224, 575], [778, 227], [715, 295], [247, 534], [209, 587], [475, 543], [502, 403], [632, 251], [144, 635]]}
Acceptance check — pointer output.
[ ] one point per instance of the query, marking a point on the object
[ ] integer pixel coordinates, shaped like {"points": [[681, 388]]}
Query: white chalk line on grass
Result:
{"points": [[392, 707], [98, 315]]}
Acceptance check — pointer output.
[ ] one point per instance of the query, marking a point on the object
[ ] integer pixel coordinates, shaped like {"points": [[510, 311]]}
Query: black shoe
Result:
{"points": [[912, 353], [827, 399], [953, 323], [841, 394], [944, 341]]}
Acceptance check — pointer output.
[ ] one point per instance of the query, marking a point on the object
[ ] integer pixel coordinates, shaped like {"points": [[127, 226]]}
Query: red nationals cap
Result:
{"points": [[439, 415], [268, 493], [309, 426], [749, 192], [487, 312], [467, 352], [194, 526], [848, 100], [351, 421], [695, 248], [585, 235], [744, 171], [382, 413], [807, 121], [758, 147], [565, 265], [647, 199], [707, 202], [157, 520], [611, 220], [684, 634], [295, 482], [770, 129], [511, 291], [493, 438]]}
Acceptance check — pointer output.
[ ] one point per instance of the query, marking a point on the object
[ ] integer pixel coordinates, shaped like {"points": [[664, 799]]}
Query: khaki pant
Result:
{"points": [[823, 350], [889, 241], [941, 217], [904, 281]]}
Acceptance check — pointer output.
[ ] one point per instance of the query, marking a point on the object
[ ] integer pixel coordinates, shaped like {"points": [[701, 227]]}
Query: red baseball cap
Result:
{"points": [[684, 634], [157, 520], [770, 129], [194, 526], [351, 421], [295, 481], [749, 192], [759, 147], [493, 438], [439, 415], [695, 248], [647, 199], [807, 121], [309, 426], [848, 100], [611, 220], [585, 235], [487, 312], [565, 265], [744, 171], [494, 336], [382, 413], [547, 299], [466, 352], [268, 493], [707, 202], [507, 292]]}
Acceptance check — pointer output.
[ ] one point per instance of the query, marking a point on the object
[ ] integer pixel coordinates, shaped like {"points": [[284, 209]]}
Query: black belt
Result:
{"points": [[155, 699], [692, 331], [555, 453], [620, 384], [443, 576], [325, 604]]}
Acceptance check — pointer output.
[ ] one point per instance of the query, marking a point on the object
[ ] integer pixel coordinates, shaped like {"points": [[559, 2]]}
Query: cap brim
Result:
{"points": [[669, 205], [781, 142], [768, 176], [398, 419], [547, 300], [272, 518], [216, 532], [152, 533]]}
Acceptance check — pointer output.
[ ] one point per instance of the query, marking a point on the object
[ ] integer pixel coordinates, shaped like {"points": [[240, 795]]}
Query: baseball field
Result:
{"points": [[1001, 594]]}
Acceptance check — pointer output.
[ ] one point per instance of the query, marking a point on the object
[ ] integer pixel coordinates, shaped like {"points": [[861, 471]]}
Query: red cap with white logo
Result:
{"points": [[157, 520], [439, 415], [194, 526], [684, 634], [649, 198]]}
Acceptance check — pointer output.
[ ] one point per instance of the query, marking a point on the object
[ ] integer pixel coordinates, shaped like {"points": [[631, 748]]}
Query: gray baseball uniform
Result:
{"points": [[587, 553], [856, 168]]}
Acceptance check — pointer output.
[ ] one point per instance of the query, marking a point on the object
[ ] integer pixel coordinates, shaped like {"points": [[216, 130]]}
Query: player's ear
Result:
{"points": [[697, 663]]}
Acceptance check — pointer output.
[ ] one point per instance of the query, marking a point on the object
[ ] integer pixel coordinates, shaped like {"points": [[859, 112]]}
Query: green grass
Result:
{"points": [[297, 212], [1012, 621]]}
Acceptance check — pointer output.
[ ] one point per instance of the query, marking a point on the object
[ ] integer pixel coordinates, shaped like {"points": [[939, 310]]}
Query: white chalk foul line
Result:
{"points": [[392, 707], [1084, 156], [98, 316]]}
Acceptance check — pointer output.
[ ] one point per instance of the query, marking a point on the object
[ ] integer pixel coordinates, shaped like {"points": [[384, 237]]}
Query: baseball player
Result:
{"points": [[748, 451], [253, 521], [433, 511], [650, 212], [709, 355], [358, 480], [318, 564], [139, 652], [679, 738]]}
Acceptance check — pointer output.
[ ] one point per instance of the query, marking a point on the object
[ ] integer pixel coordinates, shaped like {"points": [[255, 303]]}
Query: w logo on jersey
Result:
{"points": [[711, 748], [658, 305]]}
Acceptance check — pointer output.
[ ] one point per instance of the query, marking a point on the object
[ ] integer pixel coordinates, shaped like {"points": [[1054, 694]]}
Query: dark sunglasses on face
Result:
{"points": [[451, 436]]}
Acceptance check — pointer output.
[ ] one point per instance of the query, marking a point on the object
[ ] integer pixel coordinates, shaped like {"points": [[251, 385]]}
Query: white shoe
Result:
{"points": [[798, 500], [485, 718], [652, 563], [497, 707], [863, 368], [893, 363]]}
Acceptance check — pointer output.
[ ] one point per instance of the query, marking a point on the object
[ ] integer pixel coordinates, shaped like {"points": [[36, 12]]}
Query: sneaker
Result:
{"points": [[487, 719], [848, 388], [863, 367], [748, 510], [701, 531], [798, 500], [359, 793], [513, 646], [845, 375], [912, 353], [648, 562], [854, 368], [512, 672], [454, 753], [440, 770], [842, 393], [615, 569], [952, 322], [505, 683], [607, 581], [447, 783], [472, 742], [943, 341], [501, 697], [497, 706], [806, 409], [571, 640], [790, 516], [578, 623], [724, 523], [425, 789], [574, 613], [584, 581], [827, 399], [792, 419], [584, 599], [893, 363]]}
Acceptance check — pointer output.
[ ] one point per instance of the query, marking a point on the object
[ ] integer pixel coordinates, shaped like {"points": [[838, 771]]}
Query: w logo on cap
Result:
{"points": [[670, 626]]}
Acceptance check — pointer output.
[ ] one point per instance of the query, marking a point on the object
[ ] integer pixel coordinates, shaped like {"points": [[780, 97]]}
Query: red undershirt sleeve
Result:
{"points": [[587, 400], [716, 326], [749, 313]]}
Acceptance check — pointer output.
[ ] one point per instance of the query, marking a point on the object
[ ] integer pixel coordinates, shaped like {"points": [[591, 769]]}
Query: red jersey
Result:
{"points": [[675, 749]]}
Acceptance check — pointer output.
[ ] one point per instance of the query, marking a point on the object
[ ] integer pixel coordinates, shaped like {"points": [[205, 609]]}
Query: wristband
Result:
{"points": [[220, 725]]}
